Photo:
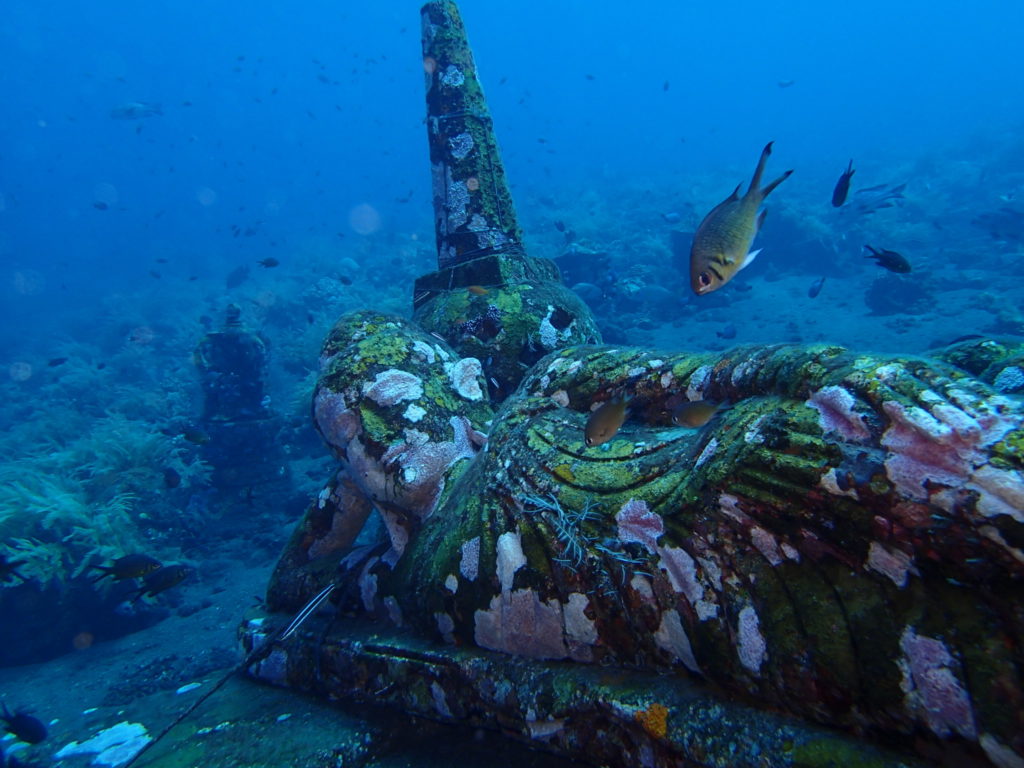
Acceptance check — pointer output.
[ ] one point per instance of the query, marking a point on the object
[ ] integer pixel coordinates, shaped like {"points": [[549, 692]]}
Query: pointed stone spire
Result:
{"points": [[473, 211]]}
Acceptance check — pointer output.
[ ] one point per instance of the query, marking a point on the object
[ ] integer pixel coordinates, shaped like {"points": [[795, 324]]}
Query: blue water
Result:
{"points": [[296, 134]]}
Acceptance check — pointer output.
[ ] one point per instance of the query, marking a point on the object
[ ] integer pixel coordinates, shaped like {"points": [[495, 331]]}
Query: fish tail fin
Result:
{"points": [[105, 571], [767, 190], [755, 182]]}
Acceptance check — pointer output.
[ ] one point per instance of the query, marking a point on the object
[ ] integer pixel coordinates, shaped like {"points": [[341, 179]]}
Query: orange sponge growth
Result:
{"points": [[654, 720]]}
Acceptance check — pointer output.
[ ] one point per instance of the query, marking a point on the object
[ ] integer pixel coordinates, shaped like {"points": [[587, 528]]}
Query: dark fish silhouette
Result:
{"points": [[161, 580], [54, 362], [843, 186], [268, 262], [870, 199], [728, 332], [816, 287], [135, 110], [23, 726], [891, 260], [128, 567], [694, 414]]}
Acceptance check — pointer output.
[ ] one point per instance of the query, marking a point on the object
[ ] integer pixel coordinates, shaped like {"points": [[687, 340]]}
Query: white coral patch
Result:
{"points": [[578, 627], [752, 648], [699, 380], [707, 453], [464, 376], [510, 558], [469, 566], [892, 563], [424, 350], [830, 482], [1000, 754], [1001, 492], [671, 637], [451, 583], [440, 701], [393, 386], [766, 544], [414, 413], [561, 397]]}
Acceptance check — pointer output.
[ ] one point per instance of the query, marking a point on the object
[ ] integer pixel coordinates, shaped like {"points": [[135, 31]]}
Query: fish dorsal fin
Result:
{"points": [[755, 182], [767, 190], [749, 259], [735, 194]]}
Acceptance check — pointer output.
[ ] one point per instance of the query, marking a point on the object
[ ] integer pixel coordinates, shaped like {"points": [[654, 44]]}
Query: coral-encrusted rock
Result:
{"points": [[400, 409], [829, 544]]}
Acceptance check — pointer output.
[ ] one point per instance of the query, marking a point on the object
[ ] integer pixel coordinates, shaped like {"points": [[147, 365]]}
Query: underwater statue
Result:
{"points": [[238, 435], [829, 568]]}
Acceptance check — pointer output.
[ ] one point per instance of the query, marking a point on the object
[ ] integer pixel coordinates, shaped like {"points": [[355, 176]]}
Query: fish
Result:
{"points": [[477, 290], [694, 414], [133, 566], [870, 199], [99, 205], [728, 332], [786, 83], [53, 362], [816, 287], [721, 244], [345, 280], [161, 580], [269, 262], [891, 260], [560, 225], [9, 568], [606, 421], [672, 217], [23, 726], [843, 186], [195, 435], [135, 110]]}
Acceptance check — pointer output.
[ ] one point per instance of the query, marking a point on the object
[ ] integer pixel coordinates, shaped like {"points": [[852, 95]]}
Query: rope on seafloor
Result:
{"points": [[254, 656]]}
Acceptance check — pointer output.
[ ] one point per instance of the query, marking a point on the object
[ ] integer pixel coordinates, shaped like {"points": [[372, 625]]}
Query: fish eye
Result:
{"points": [[705, 279]]}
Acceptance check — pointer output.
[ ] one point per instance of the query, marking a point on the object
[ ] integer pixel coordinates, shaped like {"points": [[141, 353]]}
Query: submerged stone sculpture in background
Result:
{"points": [[843, 543]]}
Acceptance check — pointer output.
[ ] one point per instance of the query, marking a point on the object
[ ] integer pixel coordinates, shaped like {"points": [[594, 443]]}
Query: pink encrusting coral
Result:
{"points": [[520, 623], [943, 447], [336, 421], [416, 472], [637, 523], [835, 407], [934, 693]]}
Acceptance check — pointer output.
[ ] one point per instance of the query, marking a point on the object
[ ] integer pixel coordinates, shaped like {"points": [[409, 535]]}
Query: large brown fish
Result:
{"points": [[721, 245], [604, 422]]}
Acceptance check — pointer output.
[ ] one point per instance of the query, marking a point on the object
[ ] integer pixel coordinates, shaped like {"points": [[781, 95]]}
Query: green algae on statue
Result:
{"points": [[826, 547]]}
